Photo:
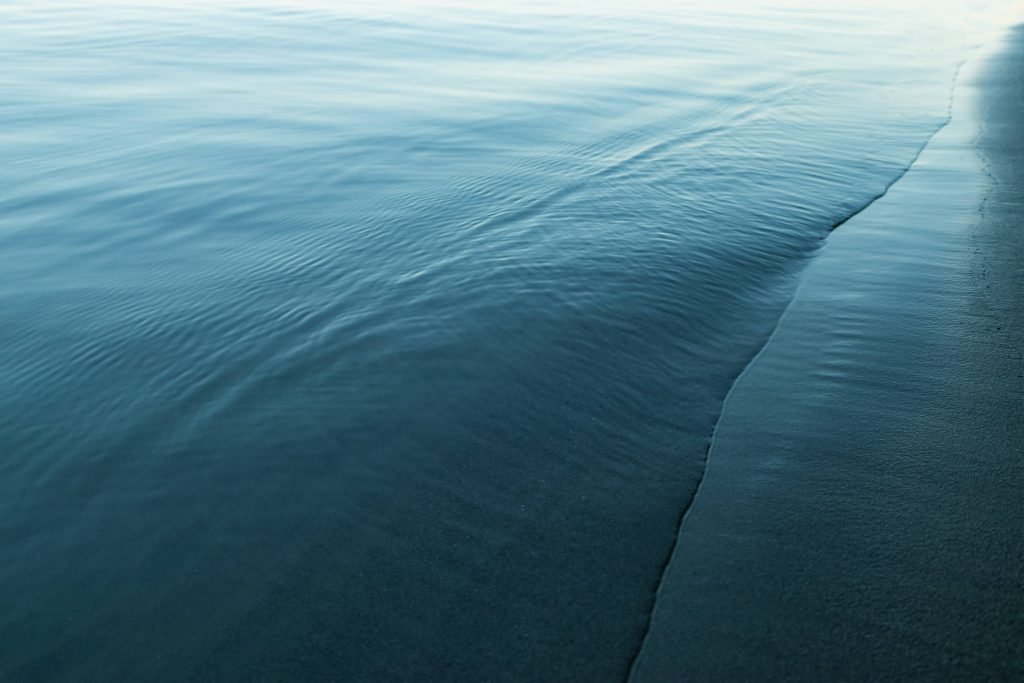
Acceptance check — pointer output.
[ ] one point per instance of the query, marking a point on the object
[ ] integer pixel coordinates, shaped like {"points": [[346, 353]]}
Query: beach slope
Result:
{"points": [[861, 514]]}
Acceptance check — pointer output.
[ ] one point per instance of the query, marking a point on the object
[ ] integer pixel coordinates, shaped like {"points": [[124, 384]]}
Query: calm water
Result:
{"points": [[385, 341]]}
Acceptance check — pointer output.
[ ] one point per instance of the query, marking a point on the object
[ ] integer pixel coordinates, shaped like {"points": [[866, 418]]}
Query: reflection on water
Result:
{"points": [[386, 342]]}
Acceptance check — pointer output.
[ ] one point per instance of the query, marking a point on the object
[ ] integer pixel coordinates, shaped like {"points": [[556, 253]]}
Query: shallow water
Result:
{"points": [[859, 517], [386, 341]]}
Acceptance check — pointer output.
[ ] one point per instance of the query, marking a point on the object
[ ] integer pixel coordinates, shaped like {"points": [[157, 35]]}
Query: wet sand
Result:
{"points": [[861, 516]]}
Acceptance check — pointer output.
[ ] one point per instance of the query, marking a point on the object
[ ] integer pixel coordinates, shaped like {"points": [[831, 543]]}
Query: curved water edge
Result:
{"points": [[753, 360], [345, 331], [896, 443]]}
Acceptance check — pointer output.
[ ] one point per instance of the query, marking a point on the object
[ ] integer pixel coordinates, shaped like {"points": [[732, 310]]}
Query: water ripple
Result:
{"points": [[388, 338]]}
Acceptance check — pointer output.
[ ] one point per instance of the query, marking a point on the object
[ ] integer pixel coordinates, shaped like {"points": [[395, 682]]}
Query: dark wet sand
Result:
{"points": [[862, 515]]}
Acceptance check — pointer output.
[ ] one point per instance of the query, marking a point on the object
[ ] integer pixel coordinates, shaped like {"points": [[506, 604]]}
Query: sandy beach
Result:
{"points": [[860, 518]]}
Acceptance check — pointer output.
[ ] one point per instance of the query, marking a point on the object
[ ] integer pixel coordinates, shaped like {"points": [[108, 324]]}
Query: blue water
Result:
{"points": [[385, 341]]}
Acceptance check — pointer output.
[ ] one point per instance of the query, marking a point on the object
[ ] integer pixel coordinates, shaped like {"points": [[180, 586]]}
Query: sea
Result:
{"points": [[385, 341]]}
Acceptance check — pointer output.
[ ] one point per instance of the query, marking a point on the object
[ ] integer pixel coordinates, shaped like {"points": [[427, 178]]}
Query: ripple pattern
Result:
{"points": [[385, 342]]}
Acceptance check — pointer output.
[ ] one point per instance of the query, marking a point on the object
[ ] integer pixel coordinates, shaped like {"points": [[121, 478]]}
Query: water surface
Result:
{"points": [[385, 341]]}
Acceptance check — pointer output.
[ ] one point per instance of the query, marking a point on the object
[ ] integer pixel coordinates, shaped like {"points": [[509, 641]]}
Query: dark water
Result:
{"points": [[356, 342]]}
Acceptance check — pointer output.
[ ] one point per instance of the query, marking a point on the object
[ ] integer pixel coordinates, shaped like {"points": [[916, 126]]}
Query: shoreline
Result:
{"points": [[860, 515]]}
